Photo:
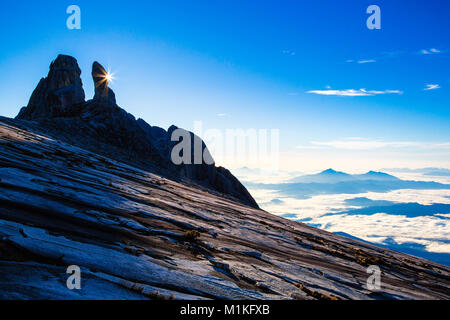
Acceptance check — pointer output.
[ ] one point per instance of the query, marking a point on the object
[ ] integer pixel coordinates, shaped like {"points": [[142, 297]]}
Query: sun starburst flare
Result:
{"points": [[107, 77]]}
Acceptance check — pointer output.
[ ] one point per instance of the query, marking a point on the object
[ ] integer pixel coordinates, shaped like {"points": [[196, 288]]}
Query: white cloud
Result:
{"points": [[221, 114], [367, 61], [430, 51], [394, 54], [430, 231], [443, 145], [289, 52], [432, 87], [308, 147], [353, 92], [364, 144], [361, 61]]}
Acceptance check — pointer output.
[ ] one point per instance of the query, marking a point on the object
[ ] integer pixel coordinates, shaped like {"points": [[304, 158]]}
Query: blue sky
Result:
{"points": [[265, 65]]}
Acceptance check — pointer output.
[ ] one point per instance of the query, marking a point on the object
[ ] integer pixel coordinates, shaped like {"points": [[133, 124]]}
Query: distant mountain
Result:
{"points": [[332, 176], [327, 176], [366, 202], [246, 171], [410, 210], [373, 175], [335, 182], [438, 173], [425, 171]]}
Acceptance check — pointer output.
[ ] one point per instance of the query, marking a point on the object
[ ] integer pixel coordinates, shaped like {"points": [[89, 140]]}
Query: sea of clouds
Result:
{"points": [[402, 222]]}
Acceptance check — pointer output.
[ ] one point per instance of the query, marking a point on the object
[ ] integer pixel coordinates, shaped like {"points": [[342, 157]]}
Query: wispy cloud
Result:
{"points": [[367, 61], [395, 54], [432, 87], [353, 92], [361, 61], [289, 52], [359, 144], [366, 144], [308, 147], [391, 54], [221, 114], [430, 51]]}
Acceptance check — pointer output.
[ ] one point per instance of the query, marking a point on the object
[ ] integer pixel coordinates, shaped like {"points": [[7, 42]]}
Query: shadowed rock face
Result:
{"points": [[101, 126], [219, 178], [102, 92], [56, 93]]}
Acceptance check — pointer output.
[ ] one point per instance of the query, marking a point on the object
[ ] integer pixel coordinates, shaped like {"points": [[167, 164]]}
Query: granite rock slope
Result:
{"points": [[137, 235]]}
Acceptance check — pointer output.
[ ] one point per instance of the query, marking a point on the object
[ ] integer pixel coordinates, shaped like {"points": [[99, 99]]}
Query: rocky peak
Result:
{"points": [[55, 94], [101, 126], [101, 81]]}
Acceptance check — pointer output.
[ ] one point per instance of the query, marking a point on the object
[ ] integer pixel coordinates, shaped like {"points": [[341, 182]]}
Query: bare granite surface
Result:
{"points": [[137, 235]]}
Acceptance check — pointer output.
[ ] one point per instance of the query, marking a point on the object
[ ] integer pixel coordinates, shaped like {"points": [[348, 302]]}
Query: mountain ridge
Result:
{"points": [[333, 176], [100, 125]]}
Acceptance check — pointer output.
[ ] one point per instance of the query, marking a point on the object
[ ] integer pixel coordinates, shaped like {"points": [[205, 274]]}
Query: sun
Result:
{"points": [[109, 77]]}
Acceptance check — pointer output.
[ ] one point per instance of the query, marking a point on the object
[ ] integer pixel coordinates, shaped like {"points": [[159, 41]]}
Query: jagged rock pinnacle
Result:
{"points": [[55, 94], [100, 125], [102, 92]]}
